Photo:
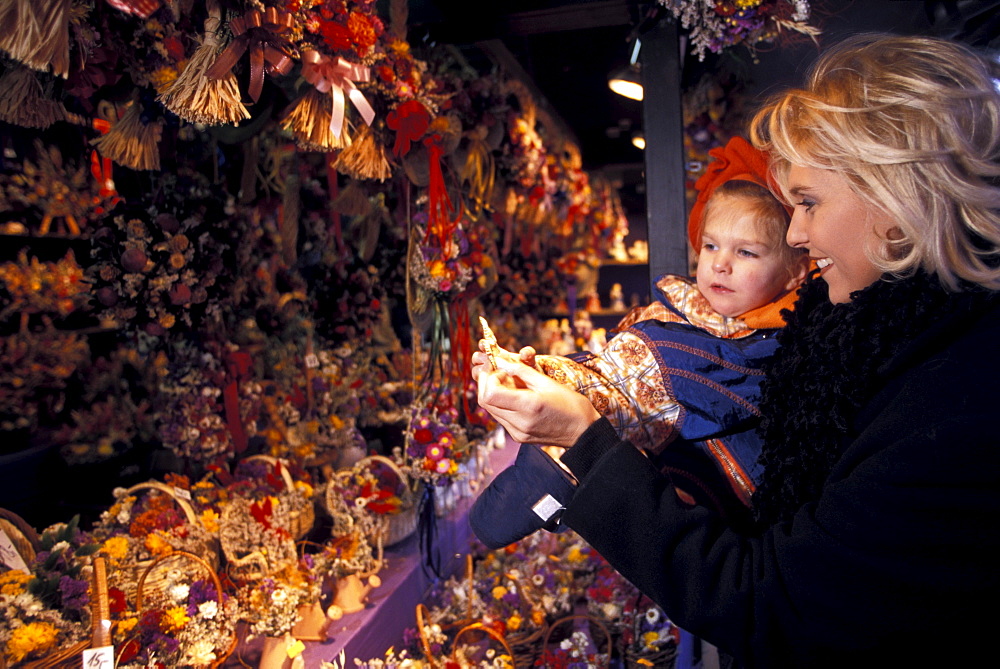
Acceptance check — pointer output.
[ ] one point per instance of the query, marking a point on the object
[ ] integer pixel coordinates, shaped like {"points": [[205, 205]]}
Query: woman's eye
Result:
{"points": [[807, 204], [708, 246]]}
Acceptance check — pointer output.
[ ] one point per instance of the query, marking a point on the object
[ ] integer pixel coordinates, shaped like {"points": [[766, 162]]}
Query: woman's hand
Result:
{"points": [[531, 406]]}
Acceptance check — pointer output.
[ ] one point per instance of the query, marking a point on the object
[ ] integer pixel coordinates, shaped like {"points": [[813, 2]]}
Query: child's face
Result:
{"points": [[738, 268]]}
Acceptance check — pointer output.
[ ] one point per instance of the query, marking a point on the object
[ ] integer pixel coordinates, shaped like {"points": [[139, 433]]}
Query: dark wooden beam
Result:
{"points": [[666, 209]]}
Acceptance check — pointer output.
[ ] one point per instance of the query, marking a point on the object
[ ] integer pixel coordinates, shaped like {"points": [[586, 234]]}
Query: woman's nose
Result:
{"points": [[796, 236]]}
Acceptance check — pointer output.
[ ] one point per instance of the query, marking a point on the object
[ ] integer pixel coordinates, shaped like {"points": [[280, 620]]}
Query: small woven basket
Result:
{"points": [[152, 583], [208, 549], [22, 535], [303, 518], [563, 627], [401, 524]]}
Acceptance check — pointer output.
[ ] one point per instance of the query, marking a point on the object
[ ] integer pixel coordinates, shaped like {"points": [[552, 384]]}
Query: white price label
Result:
{"points": [[99, 658]]}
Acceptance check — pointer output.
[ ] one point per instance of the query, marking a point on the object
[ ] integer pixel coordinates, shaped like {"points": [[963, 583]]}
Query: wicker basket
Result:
{"points": [[248, 563], [467, 631], [563, 627], [302, 519], [208, 549], [153, 581], [400, 525], [21, 534]]}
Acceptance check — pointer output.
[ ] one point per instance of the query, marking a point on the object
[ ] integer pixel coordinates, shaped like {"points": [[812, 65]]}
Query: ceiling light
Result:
{"points": [[638, 141], [626, 80]]}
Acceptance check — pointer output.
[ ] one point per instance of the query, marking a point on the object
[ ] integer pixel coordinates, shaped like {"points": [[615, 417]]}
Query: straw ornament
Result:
{"points": [[365, 158], [198, 98], [36, 33], [132, 142], [23, 101], [309, 122]]}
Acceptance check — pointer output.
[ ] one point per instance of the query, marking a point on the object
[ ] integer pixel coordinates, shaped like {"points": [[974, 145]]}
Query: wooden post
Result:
{"points": [[666, 208]]}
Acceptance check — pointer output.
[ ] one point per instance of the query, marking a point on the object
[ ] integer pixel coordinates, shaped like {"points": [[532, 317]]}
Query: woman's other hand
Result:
{"points": [[531, 406]]}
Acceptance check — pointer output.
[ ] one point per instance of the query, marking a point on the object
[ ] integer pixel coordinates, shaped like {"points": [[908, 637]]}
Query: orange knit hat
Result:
{"points": [[737, 160]]}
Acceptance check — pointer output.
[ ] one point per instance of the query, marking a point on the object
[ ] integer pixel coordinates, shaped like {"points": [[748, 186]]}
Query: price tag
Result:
{"points": [[9, 555], [99, 658], [182, 493]]}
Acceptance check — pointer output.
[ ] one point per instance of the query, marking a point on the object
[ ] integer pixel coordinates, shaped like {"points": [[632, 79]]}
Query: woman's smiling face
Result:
{"points": [[835, 225]]}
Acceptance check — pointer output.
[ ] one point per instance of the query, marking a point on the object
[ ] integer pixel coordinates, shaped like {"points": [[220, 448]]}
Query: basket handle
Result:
{"points": [[577, 616], [172, 555], [285, 474], [490, 632], [423, 616], [169, 490]]}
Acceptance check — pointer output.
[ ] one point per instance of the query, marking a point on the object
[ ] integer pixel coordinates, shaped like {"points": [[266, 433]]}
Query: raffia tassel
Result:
{"points": [[132, 143], [36, 33], [196, 98], [365, 158], [309, 121], [23, 101]]}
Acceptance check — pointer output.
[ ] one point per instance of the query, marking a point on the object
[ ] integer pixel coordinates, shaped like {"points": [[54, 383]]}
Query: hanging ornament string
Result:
{"points": [[238, 365], [439, 207], [260, 33], [337, 76], [461, 351]]}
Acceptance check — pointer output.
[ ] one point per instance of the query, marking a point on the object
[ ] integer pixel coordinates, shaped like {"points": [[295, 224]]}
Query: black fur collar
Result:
{"points": [[832, 360]]}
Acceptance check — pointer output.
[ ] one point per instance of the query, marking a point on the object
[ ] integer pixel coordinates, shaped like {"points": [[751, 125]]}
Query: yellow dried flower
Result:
{"points": [[174, 619], [126, 625], [12, 582], [499, 591], [514, 622], [157, 545], [31, 638], [115, 548], [210, 520]]}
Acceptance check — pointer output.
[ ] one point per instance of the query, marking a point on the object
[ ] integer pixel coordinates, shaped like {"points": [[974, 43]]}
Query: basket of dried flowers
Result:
{"points": [[297, 495], [577, 642], [157, 519], [254, 539], [649, 638], [45, 617], [181, 618], [377, 485], [475, 644]]}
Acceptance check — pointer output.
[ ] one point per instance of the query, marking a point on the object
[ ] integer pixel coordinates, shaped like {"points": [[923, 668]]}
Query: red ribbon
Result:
{"points": [[337, 76], [410, 120], [439, 205], [238, 366], [100, 168], [260, 33]]}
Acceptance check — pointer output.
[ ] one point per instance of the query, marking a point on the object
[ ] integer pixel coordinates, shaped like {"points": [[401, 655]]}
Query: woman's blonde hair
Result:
{"points": [[913, 123]]}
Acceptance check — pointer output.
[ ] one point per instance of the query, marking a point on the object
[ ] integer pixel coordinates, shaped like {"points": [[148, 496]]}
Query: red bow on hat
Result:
{"points": [[737, 160]]}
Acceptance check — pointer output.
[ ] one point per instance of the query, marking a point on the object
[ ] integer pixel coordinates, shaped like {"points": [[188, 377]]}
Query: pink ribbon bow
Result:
{"points": [[261, 34], [337, 76]]}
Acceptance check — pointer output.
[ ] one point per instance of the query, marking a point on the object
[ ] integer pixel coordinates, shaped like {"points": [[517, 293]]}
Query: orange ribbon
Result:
{"points": [[337, 76], [260, 33]]}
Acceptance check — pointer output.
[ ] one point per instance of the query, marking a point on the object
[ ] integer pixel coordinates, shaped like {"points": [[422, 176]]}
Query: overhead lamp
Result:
{"points": [[626, 80], [638, 141]]}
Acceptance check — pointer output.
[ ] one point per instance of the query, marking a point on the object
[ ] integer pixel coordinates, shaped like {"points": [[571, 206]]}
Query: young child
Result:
{"points": [[681, 378]]}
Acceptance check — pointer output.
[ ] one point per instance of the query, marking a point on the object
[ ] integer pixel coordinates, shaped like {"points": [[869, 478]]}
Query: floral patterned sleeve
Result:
{"points": [[625, 385]]}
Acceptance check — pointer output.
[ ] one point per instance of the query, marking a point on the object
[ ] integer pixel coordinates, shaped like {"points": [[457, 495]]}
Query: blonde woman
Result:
{"points": [[878, 513]]}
